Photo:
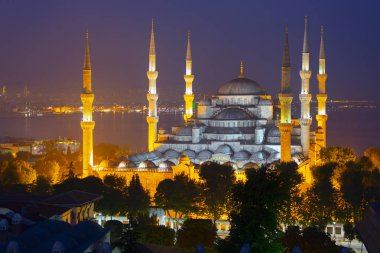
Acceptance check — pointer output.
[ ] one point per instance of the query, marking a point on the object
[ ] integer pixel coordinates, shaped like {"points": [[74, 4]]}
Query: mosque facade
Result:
{"points": [[236, 126]]}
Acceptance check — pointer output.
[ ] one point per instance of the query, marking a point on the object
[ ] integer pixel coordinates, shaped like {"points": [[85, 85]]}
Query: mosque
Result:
{"points": [[236, 126]]}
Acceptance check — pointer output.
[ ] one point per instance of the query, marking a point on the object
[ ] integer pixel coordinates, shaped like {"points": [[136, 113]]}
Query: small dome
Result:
{"points": [[58, 247], [204, 155], [4, 225], [260, 156], [16, 219], [171, 154], [241, 86], [224, 149], [147, 164], [106, 164], [126, 164], [241, 155], [166, 165], [190, 153], [233, 114], [274, 132], [184, 159]]}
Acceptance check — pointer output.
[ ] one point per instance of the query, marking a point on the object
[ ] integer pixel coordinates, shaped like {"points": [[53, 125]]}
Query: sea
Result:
{"points": [[358, 128]]}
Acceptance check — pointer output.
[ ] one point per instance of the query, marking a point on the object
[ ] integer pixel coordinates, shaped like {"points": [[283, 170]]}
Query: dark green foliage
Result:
{"points": [[42, 186], [113, 201], [137, 199], [153, 234], [127, 243], [180, 195], [257, 205], [310, 240], [116, 229], [218, 181], [196, 231], [339, 155]]}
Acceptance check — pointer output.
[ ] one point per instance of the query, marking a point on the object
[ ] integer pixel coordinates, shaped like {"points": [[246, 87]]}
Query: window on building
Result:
{"points": [[223, 227], [338, 230], [330, 230]]}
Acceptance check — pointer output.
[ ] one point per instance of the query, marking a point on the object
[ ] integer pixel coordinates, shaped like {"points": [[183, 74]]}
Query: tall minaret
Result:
{"points": [[285, 97], [322, 96], [87, 123], [189, 78], [305, 96], [152, 96]]}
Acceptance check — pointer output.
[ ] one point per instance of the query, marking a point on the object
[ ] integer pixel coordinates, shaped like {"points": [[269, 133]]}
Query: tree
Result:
{"points": [[116, 229], [374, 155], [42, 186], [217, 186], [48, 169], [153, 234], [116, 182], [196, 231], [180, 195], [137, 199], [323, 195], [310, 240], [257, 204], [352, 189], [339, 155]]}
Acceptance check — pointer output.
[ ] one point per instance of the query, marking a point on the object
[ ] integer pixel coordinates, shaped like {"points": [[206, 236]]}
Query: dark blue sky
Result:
{"points": [[42, 44]]}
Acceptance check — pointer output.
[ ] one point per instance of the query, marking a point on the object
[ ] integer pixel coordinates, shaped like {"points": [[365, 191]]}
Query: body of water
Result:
{"points": [[356, 127]]}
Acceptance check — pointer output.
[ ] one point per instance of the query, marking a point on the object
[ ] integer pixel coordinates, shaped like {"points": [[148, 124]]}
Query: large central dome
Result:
{"points": [[241, 86]]}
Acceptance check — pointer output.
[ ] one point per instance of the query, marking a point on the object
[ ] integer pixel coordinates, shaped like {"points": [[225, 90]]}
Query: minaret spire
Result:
{"points": [[305, 48], [322, 95], [285, 53], [87, 123], [87, 60], [285, 97], [189, 78], [152, 95], [152, 50], [305, 96], [188, 49], [241, 75]]}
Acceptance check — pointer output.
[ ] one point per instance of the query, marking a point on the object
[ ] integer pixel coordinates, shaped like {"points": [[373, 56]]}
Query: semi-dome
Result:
{"points": [[224, 149], [171, 154], [241, 155], [241, 86], [260, 156], [204, 155], [190, 153], [233, 114]]}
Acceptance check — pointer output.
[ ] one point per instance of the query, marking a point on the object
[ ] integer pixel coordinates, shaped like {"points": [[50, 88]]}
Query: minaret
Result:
{"points": [[189, 78], [152, 96], [285, 97], [322, 96], [87, 123], [305, 96]]}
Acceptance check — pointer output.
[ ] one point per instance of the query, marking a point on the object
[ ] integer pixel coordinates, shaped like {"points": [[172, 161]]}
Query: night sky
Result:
{"points": [[42, 45]]}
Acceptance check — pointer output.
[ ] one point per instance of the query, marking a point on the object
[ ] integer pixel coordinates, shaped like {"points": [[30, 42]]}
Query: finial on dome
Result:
{"points": [[241, 69]]}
